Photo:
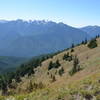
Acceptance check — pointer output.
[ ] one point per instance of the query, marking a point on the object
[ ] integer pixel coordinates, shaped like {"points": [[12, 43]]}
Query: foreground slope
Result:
{"points": [[83, 85]]}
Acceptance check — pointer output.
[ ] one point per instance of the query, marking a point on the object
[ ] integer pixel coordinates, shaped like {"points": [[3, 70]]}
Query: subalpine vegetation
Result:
{"points": [[68, 57], [24, 69], [76, 66], [53, 65], [92, 43], [53, 70]]}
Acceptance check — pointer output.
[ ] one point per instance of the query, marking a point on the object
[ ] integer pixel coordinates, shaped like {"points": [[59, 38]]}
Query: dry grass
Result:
{"points": [[89, 61]]}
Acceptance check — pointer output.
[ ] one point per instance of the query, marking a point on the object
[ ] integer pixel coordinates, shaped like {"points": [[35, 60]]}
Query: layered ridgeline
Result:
{"points": [[92, 30], [22, 38], [73, 74]]}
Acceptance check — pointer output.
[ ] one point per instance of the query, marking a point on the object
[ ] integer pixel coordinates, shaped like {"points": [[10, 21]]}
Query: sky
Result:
{"points": [[76, 13]]}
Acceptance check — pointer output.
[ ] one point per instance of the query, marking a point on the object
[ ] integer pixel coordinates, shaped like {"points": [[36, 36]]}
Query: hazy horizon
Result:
{"points": [[76, 13], [46, 21]]}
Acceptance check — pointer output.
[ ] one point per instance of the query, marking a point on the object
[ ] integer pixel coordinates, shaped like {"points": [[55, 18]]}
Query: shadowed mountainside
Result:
{"points": [[22, 38]]}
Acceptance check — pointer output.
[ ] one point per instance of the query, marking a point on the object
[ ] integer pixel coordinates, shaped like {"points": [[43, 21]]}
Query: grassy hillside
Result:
{"points": [[10, 63], [51, 85]]}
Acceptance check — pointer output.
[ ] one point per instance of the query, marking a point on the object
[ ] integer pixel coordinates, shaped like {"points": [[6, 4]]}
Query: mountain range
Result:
{"points": [[31, 38], [92, 30]]}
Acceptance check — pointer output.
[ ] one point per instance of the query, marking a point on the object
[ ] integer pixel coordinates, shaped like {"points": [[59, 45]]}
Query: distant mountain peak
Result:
{"points": [[92, 30]]}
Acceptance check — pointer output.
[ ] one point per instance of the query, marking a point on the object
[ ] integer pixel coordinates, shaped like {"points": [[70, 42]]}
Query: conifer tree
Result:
{"points": [[53, 79], [57, 64], [92, 44], [61, 71], [50, 65], [76, 66], [85, 42], [72, 45]]}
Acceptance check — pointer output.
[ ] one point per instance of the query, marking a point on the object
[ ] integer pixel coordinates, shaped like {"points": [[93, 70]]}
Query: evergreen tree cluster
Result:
{"points": [[97, 36], [54, 65], [67, 57], [92, 43], [72, 50], [84, 42], [76, 66], [34, 86]]}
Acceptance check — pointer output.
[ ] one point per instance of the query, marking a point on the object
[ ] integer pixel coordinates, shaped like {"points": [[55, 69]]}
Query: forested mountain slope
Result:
{"points": [[10, 63]]}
